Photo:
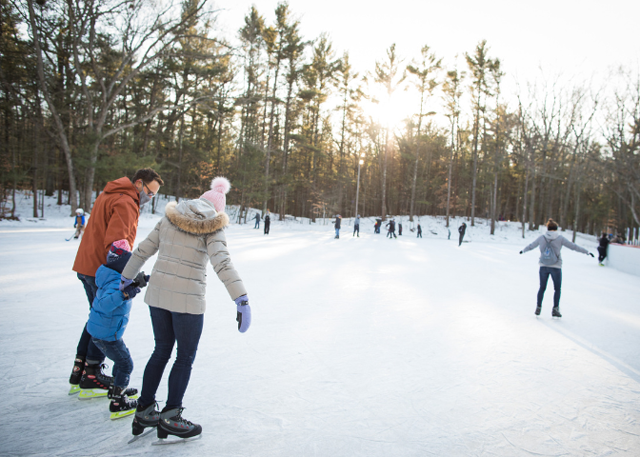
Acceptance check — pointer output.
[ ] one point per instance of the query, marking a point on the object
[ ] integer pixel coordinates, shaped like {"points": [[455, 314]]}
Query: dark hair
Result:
{"points": [[552, 225], [147, 175]]}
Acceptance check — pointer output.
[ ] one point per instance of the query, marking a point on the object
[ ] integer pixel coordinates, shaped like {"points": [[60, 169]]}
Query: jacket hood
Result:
{"points": [[197, 217], [552, 235], [122, 186]]}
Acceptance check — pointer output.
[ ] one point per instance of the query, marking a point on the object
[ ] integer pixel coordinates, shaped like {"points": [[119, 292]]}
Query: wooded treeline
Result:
{"points": [[91, 90]]}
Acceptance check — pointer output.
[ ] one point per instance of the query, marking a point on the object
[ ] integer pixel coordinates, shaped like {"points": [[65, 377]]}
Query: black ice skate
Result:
{"points": [[76, 375], [172, 423], [538, 309], [146, 417], [121, 405], [94, 383], [555, 312]]}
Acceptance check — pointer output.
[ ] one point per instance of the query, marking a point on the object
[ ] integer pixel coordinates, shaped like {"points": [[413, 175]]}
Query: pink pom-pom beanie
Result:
{"points": [[219, 187]]}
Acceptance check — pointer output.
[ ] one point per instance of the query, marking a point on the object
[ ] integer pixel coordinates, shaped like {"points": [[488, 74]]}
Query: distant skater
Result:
{"points": [[356, 226], [267, 223], [391, 229], [461, 230], [419, 231], [79, 223], [336, 225], [551, 263], [602, 249], [378, 224], [399, 228], [257, 218]]}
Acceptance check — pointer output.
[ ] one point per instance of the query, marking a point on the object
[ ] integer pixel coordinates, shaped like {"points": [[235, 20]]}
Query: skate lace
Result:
{"points": [[182, 419]]}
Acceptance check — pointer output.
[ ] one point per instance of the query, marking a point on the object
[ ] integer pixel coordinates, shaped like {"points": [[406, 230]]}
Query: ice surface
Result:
{"points": [[358, 347]]}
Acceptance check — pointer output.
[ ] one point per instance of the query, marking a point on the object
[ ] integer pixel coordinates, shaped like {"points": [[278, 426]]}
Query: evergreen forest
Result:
{"points": [[91, 90]]}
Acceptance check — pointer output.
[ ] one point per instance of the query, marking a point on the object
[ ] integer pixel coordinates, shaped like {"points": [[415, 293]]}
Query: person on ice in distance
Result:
{"points": [[336, 225], [257, 224], [356, 226], [79, 223], [399, 228], [462, 230], [391, 226], [186, 238], [267, 223], [108, 320], [602, 249], [419, 231], [114, 217], [551, 263]]}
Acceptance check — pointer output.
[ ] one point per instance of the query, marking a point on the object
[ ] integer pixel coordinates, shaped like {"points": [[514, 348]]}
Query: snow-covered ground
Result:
{"points": [[359, 347]]}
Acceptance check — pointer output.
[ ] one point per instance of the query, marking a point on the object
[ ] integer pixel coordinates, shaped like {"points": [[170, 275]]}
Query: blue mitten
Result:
{"points": [[131, 291], [124, 282], [243, 313]]}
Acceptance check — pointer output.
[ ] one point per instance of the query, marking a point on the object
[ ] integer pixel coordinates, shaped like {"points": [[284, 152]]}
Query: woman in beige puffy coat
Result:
{"points": [[186, 239]]}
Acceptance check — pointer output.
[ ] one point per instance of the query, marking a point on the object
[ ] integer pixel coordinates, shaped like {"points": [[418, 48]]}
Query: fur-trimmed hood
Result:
{"points": [[197, 217]]}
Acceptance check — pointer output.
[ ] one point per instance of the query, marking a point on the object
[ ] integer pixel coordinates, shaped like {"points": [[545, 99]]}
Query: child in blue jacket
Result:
{"points": [[108, 320]]}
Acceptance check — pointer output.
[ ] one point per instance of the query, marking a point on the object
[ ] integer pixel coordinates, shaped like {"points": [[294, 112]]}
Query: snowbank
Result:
{"points": [[624, 258]]}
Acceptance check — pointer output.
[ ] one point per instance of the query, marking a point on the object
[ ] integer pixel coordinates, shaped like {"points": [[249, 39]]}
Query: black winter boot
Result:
{"points": [[538, 309], [555, 312]]}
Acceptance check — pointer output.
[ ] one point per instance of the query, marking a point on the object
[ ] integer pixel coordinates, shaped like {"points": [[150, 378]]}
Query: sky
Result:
{"points": [[576, 41], [561, 36]]}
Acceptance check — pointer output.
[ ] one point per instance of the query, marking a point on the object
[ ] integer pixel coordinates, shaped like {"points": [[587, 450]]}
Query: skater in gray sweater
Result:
{"points": [[551, 263]]}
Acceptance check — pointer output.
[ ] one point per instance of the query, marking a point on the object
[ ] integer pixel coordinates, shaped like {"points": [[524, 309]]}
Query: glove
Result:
{"points": [[520, 252], [130, 291], [243, 316], [124, 282], [74, 225], [591, 255], [141, 280]]}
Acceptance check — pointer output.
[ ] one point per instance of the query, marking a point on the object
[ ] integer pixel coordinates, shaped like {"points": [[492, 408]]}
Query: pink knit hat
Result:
{"points": [[219, 187]]}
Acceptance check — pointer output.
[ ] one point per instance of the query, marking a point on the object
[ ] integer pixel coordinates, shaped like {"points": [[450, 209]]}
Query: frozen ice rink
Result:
{"points": [[358, 347]]}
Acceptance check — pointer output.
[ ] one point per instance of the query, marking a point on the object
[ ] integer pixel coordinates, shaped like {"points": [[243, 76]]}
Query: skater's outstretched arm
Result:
{"points": [[573, 246], [533, 245]]}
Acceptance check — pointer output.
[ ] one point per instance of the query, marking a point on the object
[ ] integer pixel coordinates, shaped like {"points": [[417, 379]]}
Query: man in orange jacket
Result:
{"points": [[114, 217]]}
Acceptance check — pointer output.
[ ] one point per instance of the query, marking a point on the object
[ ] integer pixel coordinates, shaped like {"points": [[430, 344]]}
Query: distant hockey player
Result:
{"points": [[551, 263], [356, 226], [602, 249], [79, 223], [461, 230], [114, 217], [419, 231], [267, 223], [108, 320], [257, 218], [336, 225], [399, 228], [187, 238], [391, 229], [378, 224]]}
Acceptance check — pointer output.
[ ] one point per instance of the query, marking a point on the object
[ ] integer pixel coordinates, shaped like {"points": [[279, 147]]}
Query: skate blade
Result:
{"points": [[74, 389], [88, 394], [175, 440], [145, 433], [121, 414]]}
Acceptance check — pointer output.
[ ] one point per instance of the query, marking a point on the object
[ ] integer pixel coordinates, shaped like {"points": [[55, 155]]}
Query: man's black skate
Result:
{"points": [[94, 383], [172, 423], [555, 312], [76, 375], [538, 309], [121, 405]]}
